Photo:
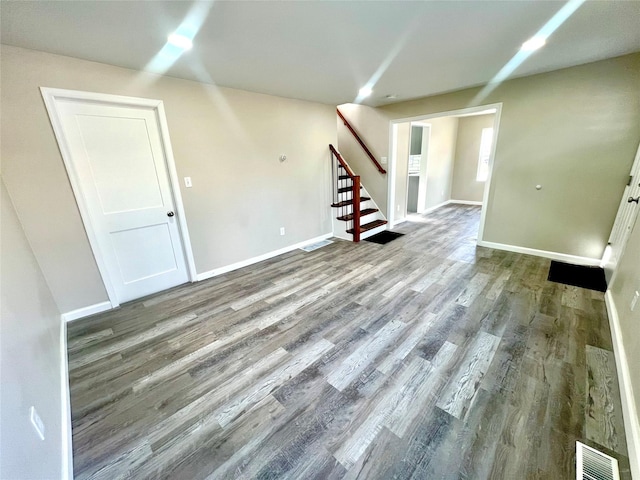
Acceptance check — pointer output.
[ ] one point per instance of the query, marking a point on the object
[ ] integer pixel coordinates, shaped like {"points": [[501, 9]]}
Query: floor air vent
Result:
{"points": [[594, 465]]}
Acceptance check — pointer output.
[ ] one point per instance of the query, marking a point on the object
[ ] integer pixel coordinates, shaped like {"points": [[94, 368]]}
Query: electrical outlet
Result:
{"points": [[634, 300], [281, 230], [383, 160], [36, 421]]}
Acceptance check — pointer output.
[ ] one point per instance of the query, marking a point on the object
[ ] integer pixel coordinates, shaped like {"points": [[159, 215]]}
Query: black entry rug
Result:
{"points": [[578, 276], [383, 237]]}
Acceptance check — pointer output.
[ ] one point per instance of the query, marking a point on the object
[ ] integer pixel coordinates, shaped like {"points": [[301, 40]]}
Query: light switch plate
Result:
{"points": [[187, 182]]}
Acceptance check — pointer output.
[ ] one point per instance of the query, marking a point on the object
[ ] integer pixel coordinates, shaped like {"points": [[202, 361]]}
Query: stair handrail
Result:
{"points": [[341, 160], [355, 191], [362, 144]]}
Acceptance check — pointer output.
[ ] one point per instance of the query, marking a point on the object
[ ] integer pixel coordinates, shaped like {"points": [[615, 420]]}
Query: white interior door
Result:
{"points": [[626, 214], [118, 160]]}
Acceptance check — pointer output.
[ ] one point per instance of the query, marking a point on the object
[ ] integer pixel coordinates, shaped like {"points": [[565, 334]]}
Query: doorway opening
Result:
{"points": [[439, 159]]}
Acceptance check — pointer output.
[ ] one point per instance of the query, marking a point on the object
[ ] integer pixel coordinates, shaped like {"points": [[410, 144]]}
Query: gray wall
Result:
{"points": [[228, 141], [574, 131], [30, 359], [464, 185], [440, 158]]}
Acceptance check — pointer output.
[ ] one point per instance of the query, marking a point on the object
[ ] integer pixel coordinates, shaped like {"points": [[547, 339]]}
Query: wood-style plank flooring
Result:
{"points": [[424, 358]]}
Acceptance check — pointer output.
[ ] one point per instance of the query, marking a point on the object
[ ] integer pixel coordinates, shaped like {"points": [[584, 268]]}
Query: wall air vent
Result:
{"points": [[594, 465]]}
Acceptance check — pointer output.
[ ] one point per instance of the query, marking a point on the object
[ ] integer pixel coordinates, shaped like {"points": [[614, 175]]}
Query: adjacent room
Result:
{"points": [[319, 239]]}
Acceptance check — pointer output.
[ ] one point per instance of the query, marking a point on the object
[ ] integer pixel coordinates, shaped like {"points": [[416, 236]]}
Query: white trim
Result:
{"points": [[177, 193], [391, 174], [451, 113], [435, 207], [465, 202], [260, 258], [67, 438], [562, 257], [50, 96], [86, 311], [397, 222], [629, 409]]}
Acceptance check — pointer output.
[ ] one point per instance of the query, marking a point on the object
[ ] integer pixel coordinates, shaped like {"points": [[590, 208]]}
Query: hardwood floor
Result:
{"points": [[424, 358]]}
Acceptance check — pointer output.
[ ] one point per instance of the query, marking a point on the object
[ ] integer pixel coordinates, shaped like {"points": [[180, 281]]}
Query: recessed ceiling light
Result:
{"points": [[180, 41], [391, 96], [534, 43], [364, 92]]}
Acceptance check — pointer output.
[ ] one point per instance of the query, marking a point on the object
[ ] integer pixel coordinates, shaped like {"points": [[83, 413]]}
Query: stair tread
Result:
{"points": [[343, 177], [345, 189], [344, 203], [369, 226], [366, 211]]}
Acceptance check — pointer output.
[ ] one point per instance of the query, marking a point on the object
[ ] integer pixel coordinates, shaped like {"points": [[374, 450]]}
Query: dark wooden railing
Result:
{"points": [[355, 192], [362, 144]]}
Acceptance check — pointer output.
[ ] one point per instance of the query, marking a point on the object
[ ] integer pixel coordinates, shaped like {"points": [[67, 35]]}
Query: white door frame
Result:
{"points": [[51, 96], [424, 160], [624, 221], [462, 111]]}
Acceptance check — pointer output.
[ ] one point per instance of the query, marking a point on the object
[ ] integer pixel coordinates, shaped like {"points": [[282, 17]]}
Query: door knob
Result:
{"points": [[631, 199], [170, 214]]}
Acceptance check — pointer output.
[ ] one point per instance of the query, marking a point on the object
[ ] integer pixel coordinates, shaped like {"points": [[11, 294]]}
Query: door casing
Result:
{"points": [[51, 96], [391, 190], [625, 219]]}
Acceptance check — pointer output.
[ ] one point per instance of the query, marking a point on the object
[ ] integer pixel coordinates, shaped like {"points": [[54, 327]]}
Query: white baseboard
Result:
{"points": [[259, 258], [67, 445], [629, 409], [561, 257], [465, 202], [397, 222], [435, 207], [86, 311]]}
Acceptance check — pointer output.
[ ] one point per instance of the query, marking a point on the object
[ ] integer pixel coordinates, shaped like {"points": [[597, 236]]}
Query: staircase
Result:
{"points": [[356, 215]]}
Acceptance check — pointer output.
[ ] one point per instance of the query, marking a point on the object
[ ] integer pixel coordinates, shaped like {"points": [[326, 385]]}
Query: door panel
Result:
{"points": [[118, 157], [144, 252], [119, 153], [626, 214]]}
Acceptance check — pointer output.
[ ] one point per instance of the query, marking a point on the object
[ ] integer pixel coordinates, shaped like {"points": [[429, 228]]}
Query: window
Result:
{"points": [[486, 141], [414, 164]]}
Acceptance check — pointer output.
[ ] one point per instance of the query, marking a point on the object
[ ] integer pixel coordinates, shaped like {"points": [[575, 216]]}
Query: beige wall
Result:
{"points": [[625, 283], [440, 158], [228, 141], [464, 185], [574, 131], [30, 358], [368, 120]]}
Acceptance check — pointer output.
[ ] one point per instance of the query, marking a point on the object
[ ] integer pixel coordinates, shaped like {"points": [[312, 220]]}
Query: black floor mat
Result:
{"points": [[578, 276], [383, 237]]}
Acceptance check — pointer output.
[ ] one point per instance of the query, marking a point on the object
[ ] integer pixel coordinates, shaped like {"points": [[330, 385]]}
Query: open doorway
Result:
{"points": [[442, 158]]}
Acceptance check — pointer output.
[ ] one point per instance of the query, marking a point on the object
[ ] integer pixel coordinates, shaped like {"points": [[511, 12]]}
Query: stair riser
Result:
{"points": [[341, 226], [372, 232]]}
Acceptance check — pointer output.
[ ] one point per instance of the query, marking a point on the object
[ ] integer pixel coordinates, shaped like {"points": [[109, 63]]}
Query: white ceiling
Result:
{"points": [[325, 51]]}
